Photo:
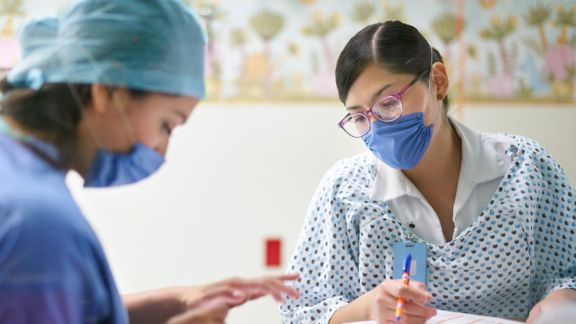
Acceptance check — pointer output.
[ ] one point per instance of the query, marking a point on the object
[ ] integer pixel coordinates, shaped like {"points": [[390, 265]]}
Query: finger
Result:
{"points": [[385, 310], [273, 288], [284, 289], [221, 295], [219, 290], [418, 310], [409, 293], [256, 295], [289, 277], [388, 303], [291, 291], [418, 285], [269, 285]]}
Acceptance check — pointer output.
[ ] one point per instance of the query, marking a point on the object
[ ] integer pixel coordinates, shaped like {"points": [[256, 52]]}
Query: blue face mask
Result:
{"points": [[401, 143], [115, 169]]}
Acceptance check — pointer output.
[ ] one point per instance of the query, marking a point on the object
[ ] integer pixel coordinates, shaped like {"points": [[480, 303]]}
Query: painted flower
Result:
{"points": [[501, 86], [10, 52], [487, 4], [557, 62]]}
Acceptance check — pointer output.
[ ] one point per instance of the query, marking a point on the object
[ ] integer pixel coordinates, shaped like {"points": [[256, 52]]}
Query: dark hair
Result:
{"points": [[51, 110], [393, 45]]}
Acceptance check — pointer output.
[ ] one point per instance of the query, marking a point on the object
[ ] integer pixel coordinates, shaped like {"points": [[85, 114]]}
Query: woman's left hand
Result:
{"points": [[206, 303], [555, 298], [237, 291]]}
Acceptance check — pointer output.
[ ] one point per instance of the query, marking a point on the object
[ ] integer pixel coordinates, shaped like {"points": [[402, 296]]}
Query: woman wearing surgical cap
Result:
{"points": [[98, 91]]}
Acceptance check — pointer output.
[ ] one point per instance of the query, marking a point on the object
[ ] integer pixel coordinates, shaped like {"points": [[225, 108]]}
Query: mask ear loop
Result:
{"points": [[125, 120], [430, 69]]}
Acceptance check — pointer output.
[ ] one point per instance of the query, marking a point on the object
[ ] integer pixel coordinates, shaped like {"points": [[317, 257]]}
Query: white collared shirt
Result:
{"points": [[484, 163]]}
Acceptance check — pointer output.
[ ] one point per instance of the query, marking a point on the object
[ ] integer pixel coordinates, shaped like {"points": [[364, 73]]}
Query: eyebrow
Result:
{"points": [[374, 97]]}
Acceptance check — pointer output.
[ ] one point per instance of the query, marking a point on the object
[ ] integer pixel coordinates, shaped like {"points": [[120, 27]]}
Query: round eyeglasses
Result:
{"points": [[386, 109]]}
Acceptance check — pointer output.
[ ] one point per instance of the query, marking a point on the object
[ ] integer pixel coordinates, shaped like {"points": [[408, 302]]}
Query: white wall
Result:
{"points": [[237, 174]]}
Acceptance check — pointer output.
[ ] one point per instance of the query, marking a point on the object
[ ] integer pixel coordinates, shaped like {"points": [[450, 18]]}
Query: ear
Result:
{"points": [[440, 80], [101, 98]]}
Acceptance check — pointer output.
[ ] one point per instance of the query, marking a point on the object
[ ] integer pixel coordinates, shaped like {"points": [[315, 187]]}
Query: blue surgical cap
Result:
{"points": [[150, 45]]}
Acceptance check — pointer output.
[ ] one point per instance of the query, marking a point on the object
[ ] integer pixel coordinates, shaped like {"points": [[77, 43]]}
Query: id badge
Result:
{"points": [[418, 266]]}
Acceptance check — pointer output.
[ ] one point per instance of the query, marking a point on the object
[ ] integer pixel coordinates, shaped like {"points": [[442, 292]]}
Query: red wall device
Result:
{"points": [[273, 252]]}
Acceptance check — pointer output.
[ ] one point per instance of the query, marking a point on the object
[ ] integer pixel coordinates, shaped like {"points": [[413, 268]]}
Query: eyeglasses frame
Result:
{"points": [[370, 112]]}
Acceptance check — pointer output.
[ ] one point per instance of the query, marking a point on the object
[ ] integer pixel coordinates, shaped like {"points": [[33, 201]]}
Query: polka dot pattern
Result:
{"points": [[520, 248]]}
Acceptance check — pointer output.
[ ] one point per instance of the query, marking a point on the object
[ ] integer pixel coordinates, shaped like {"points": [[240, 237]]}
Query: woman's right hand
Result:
{"points": [[385, 296]]}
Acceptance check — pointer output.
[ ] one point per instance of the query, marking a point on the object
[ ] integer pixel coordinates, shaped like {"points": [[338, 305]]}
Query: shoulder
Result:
{"points": [[41, 223], [518, 147], [350, 175], [40, 219], [535, 167], [41, 200], [360, 167], [29, 183], [529, 151], [346, 184]]}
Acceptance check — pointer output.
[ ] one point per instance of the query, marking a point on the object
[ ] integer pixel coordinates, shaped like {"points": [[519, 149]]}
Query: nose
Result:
{"points": [[371, 116]]}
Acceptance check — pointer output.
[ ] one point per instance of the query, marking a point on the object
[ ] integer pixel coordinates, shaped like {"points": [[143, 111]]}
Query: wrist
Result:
{"points": [[356, 310], [154, 306]]}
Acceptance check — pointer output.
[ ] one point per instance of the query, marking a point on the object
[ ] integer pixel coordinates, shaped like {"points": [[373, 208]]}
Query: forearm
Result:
{"points": [[154, 306], [357, 310]]}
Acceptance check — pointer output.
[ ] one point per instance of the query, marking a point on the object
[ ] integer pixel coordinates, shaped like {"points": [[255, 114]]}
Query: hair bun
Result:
{"points": [[5, 86]]}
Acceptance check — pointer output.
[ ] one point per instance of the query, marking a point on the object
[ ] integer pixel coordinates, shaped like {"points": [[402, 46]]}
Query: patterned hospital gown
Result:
{"points": [[521, 247]]}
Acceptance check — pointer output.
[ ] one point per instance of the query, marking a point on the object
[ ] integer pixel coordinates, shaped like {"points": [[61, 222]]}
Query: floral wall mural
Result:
{"points": [[496, 50]]}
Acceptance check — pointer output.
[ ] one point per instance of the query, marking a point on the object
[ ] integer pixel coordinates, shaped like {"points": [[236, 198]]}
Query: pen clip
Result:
{"points": [[411, 227]]}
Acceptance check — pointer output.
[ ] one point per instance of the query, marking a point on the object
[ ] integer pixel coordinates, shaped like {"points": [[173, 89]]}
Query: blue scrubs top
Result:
{"points": [[52, 267]]}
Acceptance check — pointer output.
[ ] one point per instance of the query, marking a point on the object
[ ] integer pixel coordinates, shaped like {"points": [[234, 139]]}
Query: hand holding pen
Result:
{"points": [[387, 296]]}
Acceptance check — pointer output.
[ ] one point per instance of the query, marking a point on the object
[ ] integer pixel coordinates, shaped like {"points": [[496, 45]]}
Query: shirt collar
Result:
{"points": [[390, 183], [483, 155], [483, 159]]}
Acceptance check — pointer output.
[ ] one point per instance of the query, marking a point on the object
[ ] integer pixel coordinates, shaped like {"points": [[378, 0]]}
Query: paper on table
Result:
{"points": [[445, 317]]}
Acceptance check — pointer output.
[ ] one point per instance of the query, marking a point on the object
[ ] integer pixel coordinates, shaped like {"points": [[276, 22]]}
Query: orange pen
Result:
{"points": [[406, 281]]}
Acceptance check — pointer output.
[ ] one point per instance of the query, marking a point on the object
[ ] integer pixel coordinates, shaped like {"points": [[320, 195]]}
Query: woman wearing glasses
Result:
{"points": [[494, 213]]}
